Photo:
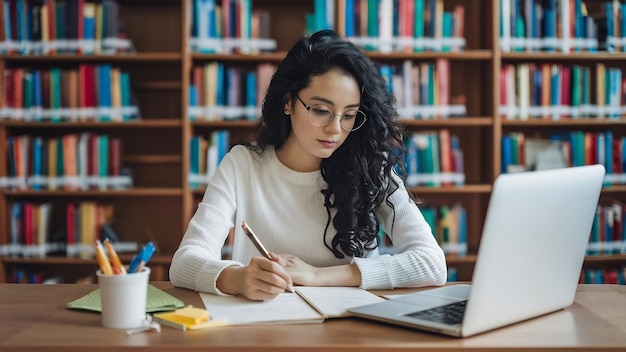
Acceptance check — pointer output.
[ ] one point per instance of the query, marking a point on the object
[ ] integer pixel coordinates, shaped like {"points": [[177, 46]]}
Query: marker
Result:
{"points": [[141, 258]]}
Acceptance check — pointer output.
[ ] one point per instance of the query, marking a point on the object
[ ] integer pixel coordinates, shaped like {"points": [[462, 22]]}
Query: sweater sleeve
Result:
{"points": [[197, 262], [419, 260]]}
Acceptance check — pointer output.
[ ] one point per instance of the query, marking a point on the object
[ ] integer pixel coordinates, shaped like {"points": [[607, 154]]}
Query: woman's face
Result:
{"points": [[307, 143]]}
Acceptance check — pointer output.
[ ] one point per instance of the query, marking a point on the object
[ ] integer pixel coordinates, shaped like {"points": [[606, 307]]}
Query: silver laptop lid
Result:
{"points": [[533, 245]]}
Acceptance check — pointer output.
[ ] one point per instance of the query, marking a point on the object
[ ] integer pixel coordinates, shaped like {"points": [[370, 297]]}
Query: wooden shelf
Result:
{"points": [[133, 192], [138, 124], [559, 56], [118, 58], [124, 257]]}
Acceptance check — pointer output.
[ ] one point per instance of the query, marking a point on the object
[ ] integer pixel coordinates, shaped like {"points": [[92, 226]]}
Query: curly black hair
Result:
{"points": [[358, 173]]}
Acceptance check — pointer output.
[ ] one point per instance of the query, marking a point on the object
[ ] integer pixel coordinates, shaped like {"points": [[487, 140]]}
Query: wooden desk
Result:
{"points": [[34, 318]]}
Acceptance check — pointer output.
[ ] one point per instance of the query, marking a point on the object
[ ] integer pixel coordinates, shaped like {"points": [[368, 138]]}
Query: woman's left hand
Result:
{"points": [[301, 273]]}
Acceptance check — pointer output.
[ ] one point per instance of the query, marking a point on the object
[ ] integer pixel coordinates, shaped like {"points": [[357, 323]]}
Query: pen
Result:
{"points": [[257, 243], [103, 261], [118, 268], [141, 258]]}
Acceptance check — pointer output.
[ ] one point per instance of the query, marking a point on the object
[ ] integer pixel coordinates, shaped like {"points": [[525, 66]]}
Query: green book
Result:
{"points": [[418, 31], [158, 301]]}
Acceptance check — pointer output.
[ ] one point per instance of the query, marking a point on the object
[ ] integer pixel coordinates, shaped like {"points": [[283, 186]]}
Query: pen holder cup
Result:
{"points": [[123, 299]]}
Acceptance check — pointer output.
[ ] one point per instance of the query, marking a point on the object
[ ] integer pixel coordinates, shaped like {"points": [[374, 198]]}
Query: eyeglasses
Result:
{"points": [[320, 115]]}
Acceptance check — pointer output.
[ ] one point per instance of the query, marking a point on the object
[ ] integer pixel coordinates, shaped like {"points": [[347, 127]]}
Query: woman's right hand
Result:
{"points": [[262, 279]]}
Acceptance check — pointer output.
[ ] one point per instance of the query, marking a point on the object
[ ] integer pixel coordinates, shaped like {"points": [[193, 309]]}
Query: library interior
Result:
{"points": [[114, 115]]}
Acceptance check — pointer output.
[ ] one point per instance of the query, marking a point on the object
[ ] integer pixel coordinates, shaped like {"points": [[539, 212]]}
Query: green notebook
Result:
{"points": [[158, 301]]}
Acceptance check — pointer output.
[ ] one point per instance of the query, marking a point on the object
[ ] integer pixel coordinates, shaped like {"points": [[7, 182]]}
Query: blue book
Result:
{"points": [[507, 153], [12, 162], [418, 20], [7, 22], [125, 93], [37, 94], [194, 166], [349, 18], [193, 99], [103, 155], [387, 72], [37, 160], [104, 89], [16, 221], [251, 94], [608, 11], [448, 25], [410, 160], [193, 95], [549, 16]]}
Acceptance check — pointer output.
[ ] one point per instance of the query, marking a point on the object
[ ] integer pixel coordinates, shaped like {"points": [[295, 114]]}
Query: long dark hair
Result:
{"points": [[358, 173]]}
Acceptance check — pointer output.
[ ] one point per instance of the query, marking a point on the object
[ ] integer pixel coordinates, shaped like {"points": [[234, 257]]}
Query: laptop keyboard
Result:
{"points": [[448, 314]]}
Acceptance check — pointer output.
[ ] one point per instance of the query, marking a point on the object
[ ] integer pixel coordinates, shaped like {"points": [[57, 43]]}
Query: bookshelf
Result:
{"points": [[156, 147]]}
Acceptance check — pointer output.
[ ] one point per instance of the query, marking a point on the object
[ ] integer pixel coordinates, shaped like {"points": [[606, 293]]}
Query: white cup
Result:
{"points": [[124, 299]]}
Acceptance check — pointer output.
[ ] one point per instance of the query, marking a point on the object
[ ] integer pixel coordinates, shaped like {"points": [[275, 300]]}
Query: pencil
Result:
{"points": [[117, 268], [103, 261], [257, 243]]}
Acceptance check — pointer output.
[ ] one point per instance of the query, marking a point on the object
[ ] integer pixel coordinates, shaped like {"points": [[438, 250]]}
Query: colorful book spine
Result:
{"points": [[90, 92]]}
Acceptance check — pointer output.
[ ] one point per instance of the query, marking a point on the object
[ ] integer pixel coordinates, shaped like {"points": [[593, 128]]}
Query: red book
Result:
{"points": [[18, 88], [116, 156], [617, 157], [28, 225], [445, 153], [565, 87]]}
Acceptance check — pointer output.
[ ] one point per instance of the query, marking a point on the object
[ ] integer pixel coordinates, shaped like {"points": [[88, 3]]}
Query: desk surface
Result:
{"points": [[34, 318]]}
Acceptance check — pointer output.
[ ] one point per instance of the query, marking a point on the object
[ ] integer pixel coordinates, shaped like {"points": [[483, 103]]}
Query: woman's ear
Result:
{"points": [[287, 104]]}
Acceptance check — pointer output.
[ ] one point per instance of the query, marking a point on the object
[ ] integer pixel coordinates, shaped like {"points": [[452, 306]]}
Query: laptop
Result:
{"points": [[529, 260]]}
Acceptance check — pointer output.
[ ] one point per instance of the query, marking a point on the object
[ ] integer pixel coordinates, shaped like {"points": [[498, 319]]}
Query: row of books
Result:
{"points": [[69, 162], [226, 26], [43, 229], [521, 152], [89, 93], [615, 14], [550, 25], [61, 27], [434, 159], [608, 231], [221, 92], [604, 276], [558, 91], [399, 25], [448, 224], [422, 90], [205, 154]]}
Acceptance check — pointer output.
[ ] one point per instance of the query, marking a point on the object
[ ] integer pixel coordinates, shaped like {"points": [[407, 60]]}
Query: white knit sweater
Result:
{"points": [[286, 210]]}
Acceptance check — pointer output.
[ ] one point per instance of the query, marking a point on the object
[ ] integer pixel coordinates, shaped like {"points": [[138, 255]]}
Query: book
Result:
{"points": [[157, 301], [307, 305]]}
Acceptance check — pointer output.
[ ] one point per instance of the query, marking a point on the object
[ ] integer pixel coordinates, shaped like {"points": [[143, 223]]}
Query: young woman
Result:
{"points": [[315, 188]]}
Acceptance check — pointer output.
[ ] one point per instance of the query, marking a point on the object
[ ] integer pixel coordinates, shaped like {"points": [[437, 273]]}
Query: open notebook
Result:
{"points": [[307, 305]]}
